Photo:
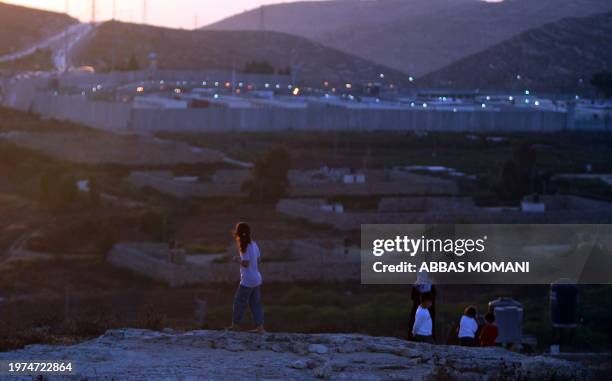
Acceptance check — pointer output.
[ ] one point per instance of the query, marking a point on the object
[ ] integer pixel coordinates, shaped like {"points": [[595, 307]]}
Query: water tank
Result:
{"points": [[564, 304], [509, 319]]}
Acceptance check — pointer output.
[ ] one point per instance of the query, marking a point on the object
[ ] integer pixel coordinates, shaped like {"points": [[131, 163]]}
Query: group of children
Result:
{"points": [[468, 328], [468, 332]]}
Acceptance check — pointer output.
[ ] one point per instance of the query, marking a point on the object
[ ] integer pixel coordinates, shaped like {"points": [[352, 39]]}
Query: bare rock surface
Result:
{"points": [[133, 354]]}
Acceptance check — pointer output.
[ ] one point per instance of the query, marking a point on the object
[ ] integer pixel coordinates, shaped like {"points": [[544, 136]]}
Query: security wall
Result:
{"points": [[334, 118], [28, 96]]}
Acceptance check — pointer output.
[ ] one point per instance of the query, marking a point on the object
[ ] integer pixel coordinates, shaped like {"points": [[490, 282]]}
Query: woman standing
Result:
{"points": [[249, 291], [423, 286]]}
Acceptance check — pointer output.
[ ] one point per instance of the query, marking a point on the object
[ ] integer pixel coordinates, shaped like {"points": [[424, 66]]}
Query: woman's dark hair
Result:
{"points": [[426, 297], [470, 311], [243, 233], [490, 317]]}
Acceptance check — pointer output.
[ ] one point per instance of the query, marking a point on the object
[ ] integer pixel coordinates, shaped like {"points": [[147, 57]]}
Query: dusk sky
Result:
{"points": [[174, 13]]}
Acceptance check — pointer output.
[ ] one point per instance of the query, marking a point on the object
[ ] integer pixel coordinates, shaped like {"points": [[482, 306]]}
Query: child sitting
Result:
{"points": [[489, 332], [468, 327], [422, 329]]}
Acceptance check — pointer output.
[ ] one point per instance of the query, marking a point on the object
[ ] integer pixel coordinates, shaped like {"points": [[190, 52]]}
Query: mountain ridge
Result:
{"points": [[418, 37], [559, 56], [225, 50]]}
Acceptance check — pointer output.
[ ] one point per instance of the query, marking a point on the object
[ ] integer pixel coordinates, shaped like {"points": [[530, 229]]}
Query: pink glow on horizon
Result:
{"points": [[174, 14]]}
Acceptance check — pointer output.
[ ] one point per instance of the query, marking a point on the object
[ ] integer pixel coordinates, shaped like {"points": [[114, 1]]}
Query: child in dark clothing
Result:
{"points": [[489, 332]]}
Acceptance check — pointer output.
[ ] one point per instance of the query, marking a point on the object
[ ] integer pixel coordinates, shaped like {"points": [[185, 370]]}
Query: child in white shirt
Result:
{"points": [[468, 327], [422, 328]]}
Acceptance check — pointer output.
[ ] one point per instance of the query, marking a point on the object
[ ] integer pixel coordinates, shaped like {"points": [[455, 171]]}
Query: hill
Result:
{"points": [[414, 36], [21, 27], [560, 56], [181, 49], [313, 19]]}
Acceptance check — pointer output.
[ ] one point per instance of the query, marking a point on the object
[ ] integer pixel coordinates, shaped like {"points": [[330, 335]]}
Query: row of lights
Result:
{"points": [[296, 91], [348, 86]]}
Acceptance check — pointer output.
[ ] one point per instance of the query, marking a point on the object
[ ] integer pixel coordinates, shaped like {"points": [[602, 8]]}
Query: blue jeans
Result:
{"points": [[250, 296]]}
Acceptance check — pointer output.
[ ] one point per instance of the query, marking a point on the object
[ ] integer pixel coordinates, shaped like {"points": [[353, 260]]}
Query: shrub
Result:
{"points": [[157, 225], [270, 171]]}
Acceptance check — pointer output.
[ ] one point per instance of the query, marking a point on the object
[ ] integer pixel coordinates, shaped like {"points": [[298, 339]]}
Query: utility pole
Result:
{"points": [[144, 11], [262, 18], [114, 30], [93, 11], [233, 73], [193, 38]]}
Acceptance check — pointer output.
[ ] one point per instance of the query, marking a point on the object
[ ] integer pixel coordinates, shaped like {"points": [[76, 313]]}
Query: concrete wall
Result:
{"points": [[218, 119], [229, 184], [309, 261], [568, 209], [77, 109], [20, 94], [128, 257], [334, 118], [424, 204], [601, 124], [33, 94], [378, 182], [329, 117], [164, 182]]}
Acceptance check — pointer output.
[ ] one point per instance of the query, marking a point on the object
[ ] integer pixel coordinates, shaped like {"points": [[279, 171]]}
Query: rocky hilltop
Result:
{"points": [[132, 354]]}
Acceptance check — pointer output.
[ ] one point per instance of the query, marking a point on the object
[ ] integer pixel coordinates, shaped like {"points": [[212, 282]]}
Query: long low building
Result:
{"points": [[313, 183], [448, 210], [301, 260]]}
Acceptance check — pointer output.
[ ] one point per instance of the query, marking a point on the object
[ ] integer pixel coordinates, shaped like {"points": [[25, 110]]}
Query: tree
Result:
{"points": [[58, 191], [516, 178], [45, 187], [68, 192], [285, 71], [270, 181], [602, 81], [133, 64], [94, 192], [259, 67], [157, 224]]}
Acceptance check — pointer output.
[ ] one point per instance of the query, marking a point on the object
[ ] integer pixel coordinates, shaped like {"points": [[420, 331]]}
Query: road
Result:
{"points": [[59, 44]]}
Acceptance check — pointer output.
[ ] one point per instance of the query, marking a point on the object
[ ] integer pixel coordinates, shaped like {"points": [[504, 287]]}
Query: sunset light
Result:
{"points": [[301, 190]]}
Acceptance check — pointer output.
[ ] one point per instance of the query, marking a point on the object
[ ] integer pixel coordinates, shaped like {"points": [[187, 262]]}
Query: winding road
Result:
{"points": [[61, 44]]}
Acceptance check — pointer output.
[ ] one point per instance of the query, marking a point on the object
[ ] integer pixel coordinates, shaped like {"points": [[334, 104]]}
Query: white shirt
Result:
{"points": [[422, 322], [467, 327], [250, 275]]}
